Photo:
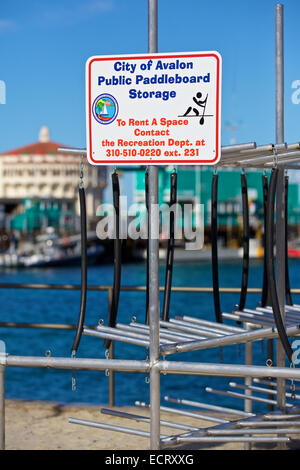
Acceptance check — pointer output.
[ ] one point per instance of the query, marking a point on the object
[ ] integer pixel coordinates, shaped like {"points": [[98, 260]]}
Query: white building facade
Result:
{"points": [[39, 171]]}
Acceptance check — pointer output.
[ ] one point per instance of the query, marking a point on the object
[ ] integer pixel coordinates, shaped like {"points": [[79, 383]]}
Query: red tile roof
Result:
{"points": [[38, 148]]}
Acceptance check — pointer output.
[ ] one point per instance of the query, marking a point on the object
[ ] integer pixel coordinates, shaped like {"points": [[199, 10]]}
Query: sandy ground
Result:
{"points": [[45, 426]]}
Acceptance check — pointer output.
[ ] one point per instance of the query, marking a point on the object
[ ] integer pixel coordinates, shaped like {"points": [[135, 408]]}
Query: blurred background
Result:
{"points": [[44, 47]]}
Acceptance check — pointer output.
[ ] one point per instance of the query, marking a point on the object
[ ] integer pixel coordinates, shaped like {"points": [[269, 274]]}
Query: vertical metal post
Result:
{"points": [[2, 407], [248, 380], [154, 266], [111, 378], [271, 357], [280, 209]]}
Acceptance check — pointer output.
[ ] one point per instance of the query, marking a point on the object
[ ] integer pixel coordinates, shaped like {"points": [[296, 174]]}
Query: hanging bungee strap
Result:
{"points": [[265, 288], [264, 298], [270, 265], [170, 249], [83, 286], [214, 248], [245, 242], [147, 246], [112, 317], [287, 276], [264, 295]]}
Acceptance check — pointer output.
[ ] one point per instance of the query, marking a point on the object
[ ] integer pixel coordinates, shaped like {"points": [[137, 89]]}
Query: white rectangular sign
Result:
{"points": [[154, 109]]}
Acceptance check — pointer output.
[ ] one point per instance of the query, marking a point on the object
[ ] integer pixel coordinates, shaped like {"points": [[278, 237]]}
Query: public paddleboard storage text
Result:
{"points": [[154, 109]]}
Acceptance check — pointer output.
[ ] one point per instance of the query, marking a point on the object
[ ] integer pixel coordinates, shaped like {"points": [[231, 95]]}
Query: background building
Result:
{"points": [[194, 187], [39, 187]]}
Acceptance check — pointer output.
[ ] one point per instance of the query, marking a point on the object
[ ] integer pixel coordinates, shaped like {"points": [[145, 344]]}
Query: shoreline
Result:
{"points": [[43, 425]]}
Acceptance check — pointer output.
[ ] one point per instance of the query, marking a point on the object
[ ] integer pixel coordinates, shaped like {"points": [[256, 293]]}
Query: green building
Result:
{"points": [[194, 187], [37, 214]]}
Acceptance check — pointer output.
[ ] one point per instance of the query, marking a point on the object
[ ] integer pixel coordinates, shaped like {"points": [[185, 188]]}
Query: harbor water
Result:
{"points": [[50, 306]]}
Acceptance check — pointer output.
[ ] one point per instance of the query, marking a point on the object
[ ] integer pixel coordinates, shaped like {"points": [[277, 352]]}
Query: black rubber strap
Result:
{"points": [[112, 318], [214, 248], [170, 250], [264, 295], [245, 242], [147, 247], [270, 265], [83, 288], [289, 300]]}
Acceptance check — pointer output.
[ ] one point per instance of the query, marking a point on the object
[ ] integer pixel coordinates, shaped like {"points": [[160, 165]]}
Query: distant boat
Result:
{"points": [[294, 249], [57, 259], [191, 256], [49, 251]]}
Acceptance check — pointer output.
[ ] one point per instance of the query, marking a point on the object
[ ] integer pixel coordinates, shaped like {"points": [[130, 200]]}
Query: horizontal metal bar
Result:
{"points": [[292, 308], [221, 439], [235, 157], [184, 413], [255, 335], [256, 315], [125, 330], [221, 326], [281, 416], [272, 383], [196, 333], [230, 432], [46, 326], [165, 367], [77, 363], [204, 331], [260, 389], [265, 159], [228, 393], [198, 327], [207, 330], [225, 370], [252, 320], [266, 316], [196, 290], [72, 151], [258, 155], [116, 337], [286, 161], [146, 419], [238, 147], [294, 146], [291, 314], [109, 427], [190, 438], [22, 285], [261, 424], [164, 332], [197, 415], [207, 406]]}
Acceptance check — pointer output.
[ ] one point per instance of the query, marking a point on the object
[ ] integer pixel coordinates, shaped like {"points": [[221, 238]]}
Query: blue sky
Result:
{"points": [[44, 45]]}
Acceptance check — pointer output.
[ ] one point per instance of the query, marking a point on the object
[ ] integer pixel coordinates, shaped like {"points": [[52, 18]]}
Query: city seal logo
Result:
{"points": [[105, 108]]}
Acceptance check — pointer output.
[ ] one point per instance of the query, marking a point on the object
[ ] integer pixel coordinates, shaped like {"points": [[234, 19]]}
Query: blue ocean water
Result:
{"points": [[62, 307]]}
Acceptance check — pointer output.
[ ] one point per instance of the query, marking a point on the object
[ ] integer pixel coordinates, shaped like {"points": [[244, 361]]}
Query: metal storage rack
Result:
{"points": [[160, 338], [247, 428]]}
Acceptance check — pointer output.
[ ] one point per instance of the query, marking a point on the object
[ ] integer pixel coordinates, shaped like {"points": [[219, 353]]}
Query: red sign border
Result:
{"points": [[152, 162]]}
